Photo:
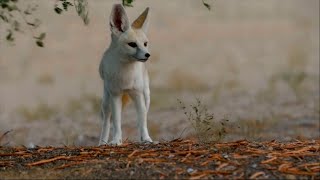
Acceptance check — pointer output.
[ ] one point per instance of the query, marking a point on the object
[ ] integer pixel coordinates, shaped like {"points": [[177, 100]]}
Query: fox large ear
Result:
{"points": [[142, 22], [119, 21]]}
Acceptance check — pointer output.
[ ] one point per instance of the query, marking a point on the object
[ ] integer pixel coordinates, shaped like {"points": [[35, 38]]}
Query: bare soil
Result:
{"points": [[176, 159]]}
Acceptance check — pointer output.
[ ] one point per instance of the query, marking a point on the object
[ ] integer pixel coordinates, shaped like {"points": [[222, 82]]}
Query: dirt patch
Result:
{"points": [[175, 159]]}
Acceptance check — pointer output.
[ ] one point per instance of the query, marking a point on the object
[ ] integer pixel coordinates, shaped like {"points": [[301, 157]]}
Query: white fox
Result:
{"points": [[125, 75]]}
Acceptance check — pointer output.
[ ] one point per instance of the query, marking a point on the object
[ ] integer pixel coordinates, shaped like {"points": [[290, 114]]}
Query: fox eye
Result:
{"points": [[145, 44], [132, 44]]}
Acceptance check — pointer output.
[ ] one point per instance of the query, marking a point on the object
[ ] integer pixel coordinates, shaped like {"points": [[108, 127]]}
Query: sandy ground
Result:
{"points": [[255, 63]]}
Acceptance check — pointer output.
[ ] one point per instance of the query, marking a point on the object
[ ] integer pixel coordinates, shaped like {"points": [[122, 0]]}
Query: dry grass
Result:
{"points": [[206, 127]]}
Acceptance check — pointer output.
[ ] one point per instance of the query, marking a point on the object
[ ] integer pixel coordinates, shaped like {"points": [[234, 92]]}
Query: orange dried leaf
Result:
{"points": [[257, 174]]}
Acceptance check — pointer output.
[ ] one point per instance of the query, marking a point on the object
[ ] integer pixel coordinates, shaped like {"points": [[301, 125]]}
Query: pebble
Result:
{"points": [[254, 165], [290, 177], [31, 145], [270, 148], [155, 142], [131, 173], [190, 170]]}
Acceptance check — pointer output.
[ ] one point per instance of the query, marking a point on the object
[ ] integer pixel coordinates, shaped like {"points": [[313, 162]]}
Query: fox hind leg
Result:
{"points": [[116, 108], [105, 116]]}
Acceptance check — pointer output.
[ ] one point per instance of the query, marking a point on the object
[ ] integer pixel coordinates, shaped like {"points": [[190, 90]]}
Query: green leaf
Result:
{"points": [[12, 8], [40, 43], [27, 12], [58, 10], [206, 5], [4, 18], [16, 25], [42, 36], [4, 5], [127, 3], [66, 4], [9, 36], [69, 3]]}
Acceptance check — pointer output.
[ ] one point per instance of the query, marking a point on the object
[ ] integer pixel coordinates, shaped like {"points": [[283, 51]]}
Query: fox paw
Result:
{"points": [[146, 139], [101, 143], [115, 142]]}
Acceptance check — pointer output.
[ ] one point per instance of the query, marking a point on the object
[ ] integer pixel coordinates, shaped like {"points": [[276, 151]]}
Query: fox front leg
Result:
{"points": [[141, 110]]}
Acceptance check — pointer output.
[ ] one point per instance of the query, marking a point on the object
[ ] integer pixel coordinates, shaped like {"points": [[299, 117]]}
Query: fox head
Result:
{"points": [[131, 40]]}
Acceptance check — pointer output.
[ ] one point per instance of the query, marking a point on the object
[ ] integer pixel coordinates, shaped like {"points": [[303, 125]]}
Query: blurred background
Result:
{"points": [[255, 63]]}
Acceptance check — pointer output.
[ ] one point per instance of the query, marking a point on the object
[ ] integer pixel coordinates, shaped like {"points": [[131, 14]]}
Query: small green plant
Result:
{"points": [[207, 128]]}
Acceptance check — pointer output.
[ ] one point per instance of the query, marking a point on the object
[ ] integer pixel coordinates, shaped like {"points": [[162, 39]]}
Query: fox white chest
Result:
{"points": [[124, 77]]}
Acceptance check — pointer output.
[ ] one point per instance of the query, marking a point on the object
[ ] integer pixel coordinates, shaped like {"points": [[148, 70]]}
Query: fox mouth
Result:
{"points": [[135, 58], [142, 60], [138, 59]]}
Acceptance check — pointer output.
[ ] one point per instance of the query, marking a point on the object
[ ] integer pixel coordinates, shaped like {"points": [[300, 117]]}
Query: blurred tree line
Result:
{"points": [[15, 19]]}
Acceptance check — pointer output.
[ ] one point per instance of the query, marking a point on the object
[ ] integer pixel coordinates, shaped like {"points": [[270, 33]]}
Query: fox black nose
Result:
{"points": [[147, 55]]}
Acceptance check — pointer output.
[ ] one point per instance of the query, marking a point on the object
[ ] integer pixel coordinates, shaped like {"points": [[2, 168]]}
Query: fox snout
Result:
{"points": [[142, 55], [147, 55], [146, 59]]}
